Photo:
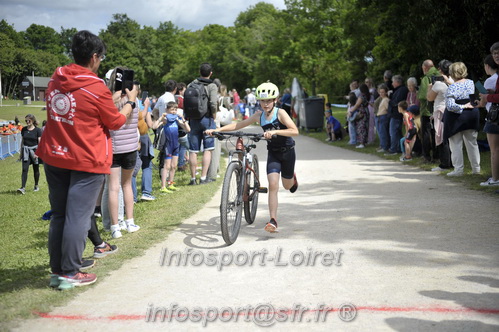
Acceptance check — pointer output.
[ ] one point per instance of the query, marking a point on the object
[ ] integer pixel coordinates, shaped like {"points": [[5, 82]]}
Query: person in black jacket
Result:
{"points": [[399, 94]]}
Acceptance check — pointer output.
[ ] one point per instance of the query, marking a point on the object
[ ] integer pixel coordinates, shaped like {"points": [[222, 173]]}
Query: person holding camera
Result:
{"points": [[125, 145], [492, 124], [436, 94], [75, 149], [461, 120]]}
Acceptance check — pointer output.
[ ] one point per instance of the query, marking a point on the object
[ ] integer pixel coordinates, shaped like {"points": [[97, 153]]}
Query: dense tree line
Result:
{"points": [[324, 43]]}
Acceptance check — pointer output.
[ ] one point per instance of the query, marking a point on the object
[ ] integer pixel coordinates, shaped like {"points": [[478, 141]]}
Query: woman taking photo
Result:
{"points": [[461, 120]]}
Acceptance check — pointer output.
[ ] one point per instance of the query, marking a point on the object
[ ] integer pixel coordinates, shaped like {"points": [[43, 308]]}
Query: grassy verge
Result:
{"points": [[468, 180], [24, 270]]}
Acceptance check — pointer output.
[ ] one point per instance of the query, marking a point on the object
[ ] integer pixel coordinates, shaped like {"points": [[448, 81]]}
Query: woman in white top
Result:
{"points": [[436, 93]]}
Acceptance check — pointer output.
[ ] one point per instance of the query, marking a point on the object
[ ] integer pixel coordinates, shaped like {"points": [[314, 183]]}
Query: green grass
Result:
{"points": [[24, 269], [9, 111], [468, 180]]}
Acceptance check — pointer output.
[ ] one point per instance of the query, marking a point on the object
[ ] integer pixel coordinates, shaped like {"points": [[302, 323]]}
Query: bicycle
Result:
{"points": [[241, 184]]}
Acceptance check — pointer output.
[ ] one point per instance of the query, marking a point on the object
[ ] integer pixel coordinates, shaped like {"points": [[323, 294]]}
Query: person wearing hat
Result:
{"points": [[278, 129]]}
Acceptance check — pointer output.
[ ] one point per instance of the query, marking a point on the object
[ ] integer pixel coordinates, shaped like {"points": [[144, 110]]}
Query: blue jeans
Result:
{"points": [[382, 126], [138, 166], [146, 186], [184, 146], [352, 133], [395, 134], [402, 145]]}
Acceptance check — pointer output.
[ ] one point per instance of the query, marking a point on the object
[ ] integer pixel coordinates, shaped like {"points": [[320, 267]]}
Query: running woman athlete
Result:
{"points": [[281, 154]]}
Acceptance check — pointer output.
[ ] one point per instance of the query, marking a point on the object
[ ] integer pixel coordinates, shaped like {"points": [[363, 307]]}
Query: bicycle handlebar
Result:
{"points": [[227, 134]]}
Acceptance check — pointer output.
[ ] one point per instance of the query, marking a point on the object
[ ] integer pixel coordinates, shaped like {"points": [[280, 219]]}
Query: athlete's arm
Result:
{"points": [[237, 125], [288, 122]]}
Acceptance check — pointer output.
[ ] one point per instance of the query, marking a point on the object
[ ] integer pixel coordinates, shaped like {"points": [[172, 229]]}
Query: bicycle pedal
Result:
{"points": [[263, 190]]}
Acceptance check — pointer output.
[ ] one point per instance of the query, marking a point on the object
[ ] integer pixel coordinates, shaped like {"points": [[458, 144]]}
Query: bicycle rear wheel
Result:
{"points": [[231, 204], [252, 186]]}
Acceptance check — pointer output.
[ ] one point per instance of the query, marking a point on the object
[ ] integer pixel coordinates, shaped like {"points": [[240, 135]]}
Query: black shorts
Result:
{"points": [[282, 162], [410, 134], [125, 160]]}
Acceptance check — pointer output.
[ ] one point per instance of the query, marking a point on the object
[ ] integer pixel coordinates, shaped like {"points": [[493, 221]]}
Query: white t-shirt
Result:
{"points": [[163, 101], [490, 83], [440, 88]]}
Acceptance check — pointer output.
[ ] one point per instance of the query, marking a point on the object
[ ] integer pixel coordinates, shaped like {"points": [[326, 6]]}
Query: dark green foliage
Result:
{"points": [[324, 43]]}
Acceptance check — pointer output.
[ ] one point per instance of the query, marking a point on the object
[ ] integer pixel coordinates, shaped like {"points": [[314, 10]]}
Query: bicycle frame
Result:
{"points": [[244, 158]]}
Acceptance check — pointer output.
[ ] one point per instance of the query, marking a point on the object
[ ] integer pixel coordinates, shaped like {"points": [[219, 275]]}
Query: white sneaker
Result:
{"points": [[360, 146], [490, 182], [455, 173], [116, 234], [132, 228], [122, 225], [437, 169]]}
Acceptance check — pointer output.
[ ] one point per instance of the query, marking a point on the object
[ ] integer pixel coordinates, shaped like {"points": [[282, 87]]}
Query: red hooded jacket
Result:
{"points": [[80, 113]]}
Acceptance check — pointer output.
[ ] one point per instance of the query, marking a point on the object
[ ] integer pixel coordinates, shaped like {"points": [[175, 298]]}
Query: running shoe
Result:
{"points": [[147, 197], [165, 191], [36, 188], [172, 187], [76, 280], [87, 264], [116, 234], [54, 280], [490, 182], [22, 191], [103, 252], [132, 228], [271, 226]]}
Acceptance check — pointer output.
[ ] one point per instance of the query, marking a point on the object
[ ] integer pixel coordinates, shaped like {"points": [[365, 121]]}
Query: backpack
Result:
{"points": [[195, 100], [159, 139]]}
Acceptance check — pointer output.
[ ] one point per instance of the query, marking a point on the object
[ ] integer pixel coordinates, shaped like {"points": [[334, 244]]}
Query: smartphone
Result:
{"points": [[479, 86], [436, 78], [127, 80], [145, 94]]}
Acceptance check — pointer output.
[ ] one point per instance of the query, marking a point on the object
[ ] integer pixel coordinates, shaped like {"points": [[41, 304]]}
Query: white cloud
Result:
{"points": [[95, 15]]}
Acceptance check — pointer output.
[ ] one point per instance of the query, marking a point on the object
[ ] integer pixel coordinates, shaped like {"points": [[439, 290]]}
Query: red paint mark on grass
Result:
{"points": [[444, 310]]}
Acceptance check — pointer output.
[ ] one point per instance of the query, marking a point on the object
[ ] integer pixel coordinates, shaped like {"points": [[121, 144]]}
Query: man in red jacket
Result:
{"points": [[77, 152]]}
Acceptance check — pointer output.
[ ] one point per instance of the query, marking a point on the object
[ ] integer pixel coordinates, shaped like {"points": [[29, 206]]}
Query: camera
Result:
{"points": [[436, 78], [124, 80]]}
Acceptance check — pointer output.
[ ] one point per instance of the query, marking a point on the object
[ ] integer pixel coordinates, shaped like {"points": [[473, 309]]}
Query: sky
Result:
{"points": [[95, 15]]}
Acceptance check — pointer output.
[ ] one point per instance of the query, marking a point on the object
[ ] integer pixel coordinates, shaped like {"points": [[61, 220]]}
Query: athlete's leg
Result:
{"points": [[273, 179]]}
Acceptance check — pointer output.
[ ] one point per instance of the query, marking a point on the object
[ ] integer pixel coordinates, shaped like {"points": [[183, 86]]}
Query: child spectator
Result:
{"points": [[407, 142], [333, 126], [171, 121]]}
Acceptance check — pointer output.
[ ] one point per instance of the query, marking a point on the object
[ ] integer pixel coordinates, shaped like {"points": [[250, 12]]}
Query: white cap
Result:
{"points": [[108, 74]]}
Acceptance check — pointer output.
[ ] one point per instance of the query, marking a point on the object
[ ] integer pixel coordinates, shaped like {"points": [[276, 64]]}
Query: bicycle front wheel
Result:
{"points": [[252, 186], [231, 204]]}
